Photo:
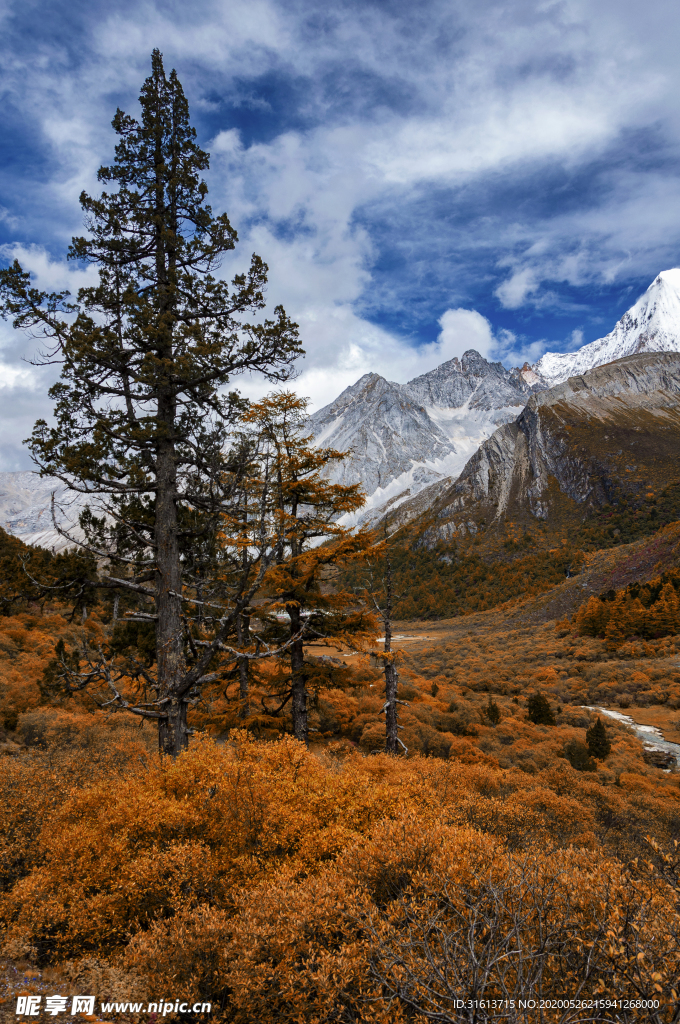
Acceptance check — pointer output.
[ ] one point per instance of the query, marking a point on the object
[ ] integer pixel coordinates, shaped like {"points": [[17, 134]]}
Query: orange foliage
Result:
{"points": [[27, 642], [281, 883], [649, 611], [284, 886]]}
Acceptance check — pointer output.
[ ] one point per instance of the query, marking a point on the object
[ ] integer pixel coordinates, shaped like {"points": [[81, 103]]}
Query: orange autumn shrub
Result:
{"points": [[102, 735], [73, 751], [416, 916], [503, 927], [116, 854], [280, 885], [27, 642], [99, 858]]}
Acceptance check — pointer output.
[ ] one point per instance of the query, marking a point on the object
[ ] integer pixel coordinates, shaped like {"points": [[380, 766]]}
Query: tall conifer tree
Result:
{"points": [[141, 414]]}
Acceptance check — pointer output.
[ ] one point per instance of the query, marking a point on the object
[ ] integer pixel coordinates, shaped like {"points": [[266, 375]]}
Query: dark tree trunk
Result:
{"points": [[243, 632], [391, 678], [297, 671], [391, 719], [173, 731], [173, 734]]}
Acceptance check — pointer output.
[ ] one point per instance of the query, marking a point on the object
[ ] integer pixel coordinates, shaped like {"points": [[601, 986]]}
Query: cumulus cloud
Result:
{"points": [[358, 347], [461, 329], [49, 274], [227, 143]]}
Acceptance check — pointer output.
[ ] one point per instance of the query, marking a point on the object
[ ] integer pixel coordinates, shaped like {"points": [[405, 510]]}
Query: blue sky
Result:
{"points": [[421, 177]]}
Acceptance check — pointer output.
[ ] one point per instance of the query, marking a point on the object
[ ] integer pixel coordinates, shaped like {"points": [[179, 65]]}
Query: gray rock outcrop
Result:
{"points": [[473, 380]]}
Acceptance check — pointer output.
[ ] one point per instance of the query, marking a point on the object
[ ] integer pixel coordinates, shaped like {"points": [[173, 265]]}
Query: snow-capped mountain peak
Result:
{"points": [[651, 325], [403, 437]]}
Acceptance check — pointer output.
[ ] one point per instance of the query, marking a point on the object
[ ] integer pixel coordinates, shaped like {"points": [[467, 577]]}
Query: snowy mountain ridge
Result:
{"points": [[651, 325], [404, 438], [26, 509]]}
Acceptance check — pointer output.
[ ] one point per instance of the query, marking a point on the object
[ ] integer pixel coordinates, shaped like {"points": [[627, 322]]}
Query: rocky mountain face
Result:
{"points": [[615, 429], [407, 437], [403, 437], [387, 431], [471, 382]]}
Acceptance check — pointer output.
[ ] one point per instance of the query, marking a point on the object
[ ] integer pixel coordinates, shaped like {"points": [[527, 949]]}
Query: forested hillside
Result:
{"points": [[438, 579]]}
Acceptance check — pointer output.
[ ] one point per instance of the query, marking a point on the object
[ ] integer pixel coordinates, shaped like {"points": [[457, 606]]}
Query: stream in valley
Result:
{"points": [[651, 737]]}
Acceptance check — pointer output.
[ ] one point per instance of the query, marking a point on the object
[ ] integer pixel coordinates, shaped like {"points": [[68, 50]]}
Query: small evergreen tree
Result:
{"points": [[598, 741], [579, 757], [492, 713], [539, 711]]}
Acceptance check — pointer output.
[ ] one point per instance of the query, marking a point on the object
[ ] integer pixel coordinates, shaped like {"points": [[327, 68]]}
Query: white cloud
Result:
{"points": [[576, 340], [344, 347], [514, 292], [48, 274], [12, 376], [462, 329], [227, 143], [488, 90]]}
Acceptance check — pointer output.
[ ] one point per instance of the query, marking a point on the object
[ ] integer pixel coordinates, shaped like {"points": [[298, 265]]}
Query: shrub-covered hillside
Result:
{"points": [[282, 885], [509, 851]]}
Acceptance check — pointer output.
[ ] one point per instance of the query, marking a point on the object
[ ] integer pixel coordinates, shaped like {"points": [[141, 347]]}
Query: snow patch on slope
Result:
{"points": [[466, 429]]}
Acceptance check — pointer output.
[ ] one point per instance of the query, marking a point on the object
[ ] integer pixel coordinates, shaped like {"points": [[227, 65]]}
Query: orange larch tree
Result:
{"points": [[304, 586]]}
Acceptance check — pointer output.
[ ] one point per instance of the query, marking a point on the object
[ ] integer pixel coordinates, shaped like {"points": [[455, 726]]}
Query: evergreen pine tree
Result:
{"points": [[141, 412], [539, 711], [492, 712], [598, 741]]}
